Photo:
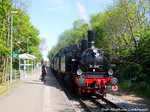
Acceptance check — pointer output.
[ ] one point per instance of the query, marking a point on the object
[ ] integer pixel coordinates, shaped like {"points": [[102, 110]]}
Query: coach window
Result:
{"points": [[63, 63]]}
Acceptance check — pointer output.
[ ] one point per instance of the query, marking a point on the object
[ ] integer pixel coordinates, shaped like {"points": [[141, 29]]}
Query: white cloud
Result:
{"points": [[57, 5]]}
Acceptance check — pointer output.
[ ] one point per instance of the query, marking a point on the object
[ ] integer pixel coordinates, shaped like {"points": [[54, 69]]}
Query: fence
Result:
{"points": [[15, 76]]}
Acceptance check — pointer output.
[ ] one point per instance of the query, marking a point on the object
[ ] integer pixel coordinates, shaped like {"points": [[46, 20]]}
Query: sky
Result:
{"points": [[53, 17]]}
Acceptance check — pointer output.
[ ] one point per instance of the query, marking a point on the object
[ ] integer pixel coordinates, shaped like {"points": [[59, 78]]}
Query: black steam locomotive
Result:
{"points": [[83, 67]]}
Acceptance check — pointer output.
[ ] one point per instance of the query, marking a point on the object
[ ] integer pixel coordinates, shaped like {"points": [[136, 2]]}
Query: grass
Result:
{"points": [[141, 88]]}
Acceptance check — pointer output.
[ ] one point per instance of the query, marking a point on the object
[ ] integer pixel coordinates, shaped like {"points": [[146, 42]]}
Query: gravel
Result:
{"points": [[126, 106]]}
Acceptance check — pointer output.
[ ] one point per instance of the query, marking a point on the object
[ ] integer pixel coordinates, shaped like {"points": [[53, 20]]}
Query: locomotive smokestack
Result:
{"points": [[84, 45], [91, 38]]}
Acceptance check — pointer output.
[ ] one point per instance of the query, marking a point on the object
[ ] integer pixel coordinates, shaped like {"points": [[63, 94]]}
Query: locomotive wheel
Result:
{"points": [[69, 82], [104, 95], [59, 76], [103, 91], [79, 91]]}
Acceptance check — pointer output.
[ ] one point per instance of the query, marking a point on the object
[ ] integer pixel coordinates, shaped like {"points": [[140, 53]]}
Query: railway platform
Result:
{"points": [[32, 95]]}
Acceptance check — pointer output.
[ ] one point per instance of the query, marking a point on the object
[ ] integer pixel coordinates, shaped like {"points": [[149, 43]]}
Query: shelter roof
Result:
{"points": [[27, 56]]}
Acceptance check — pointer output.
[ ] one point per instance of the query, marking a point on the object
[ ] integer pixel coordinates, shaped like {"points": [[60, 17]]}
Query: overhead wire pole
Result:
{"points": [[11, 44]]}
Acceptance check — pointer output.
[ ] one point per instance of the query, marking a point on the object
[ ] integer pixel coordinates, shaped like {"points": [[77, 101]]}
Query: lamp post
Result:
{"points": [[11, 43], [28, 44]]}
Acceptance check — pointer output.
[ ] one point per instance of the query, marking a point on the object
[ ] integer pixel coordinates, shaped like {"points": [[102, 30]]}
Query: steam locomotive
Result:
{"points": [[83, 67]]}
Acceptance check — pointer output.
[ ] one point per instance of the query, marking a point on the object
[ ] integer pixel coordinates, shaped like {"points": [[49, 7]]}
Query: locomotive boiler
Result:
{"points": [[83, 67]]}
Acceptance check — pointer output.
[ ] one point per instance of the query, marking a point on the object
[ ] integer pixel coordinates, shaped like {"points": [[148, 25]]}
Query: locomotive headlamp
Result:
{"points": [[95, 50], [110, 72], [79, 72]]}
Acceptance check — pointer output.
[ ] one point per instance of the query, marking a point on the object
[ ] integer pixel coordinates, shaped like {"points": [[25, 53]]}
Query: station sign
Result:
{"points": [[15, 54]]}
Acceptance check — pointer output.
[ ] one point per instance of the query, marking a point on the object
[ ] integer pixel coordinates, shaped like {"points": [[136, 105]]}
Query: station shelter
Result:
{"points": [[26, 64]]}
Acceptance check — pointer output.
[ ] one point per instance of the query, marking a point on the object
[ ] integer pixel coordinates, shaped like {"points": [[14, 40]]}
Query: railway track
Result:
{"points": [[99, 104], [94, 103]]}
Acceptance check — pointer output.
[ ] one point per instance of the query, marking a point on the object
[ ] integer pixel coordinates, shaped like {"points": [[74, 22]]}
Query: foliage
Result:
{"points": [[123, 32], [22, 29], [129, 72], [143, 52], [136, 87]]}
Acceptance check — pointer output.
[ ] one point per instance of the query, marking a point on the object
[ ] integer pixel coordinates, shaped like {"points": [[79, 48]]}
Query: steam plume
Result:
{"points": [[84, 14]]}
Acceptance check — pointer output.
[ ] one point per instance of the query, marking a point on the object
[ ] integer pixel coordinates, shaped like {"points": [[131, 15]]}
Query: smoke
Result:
{"points": [[84, 14]]}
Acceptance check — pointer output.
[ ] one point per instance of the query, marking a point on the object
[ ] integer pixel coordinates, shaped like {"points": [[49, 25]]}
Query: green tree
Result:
{"points": [[22, 29]]}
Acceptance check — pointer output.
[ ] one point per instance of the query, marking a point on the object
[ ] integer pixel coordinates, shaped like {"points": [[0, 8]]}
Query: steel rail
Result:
{"points": [[101, 103], [110, 104], [84, 105]]}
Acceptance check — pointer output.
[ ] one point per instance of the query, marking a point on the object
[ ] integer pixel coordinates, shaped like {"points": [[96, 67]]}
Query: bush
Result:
{"points": [[129, 72], [1, 75], [141, 88]]}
